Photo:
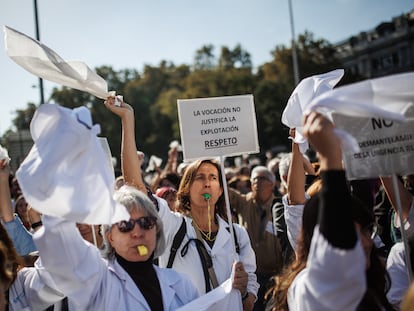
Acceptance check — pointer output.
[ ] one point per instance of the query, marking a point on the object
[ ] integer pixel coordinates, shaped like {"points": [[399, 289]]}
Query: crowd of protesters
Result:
{"points": [[306, 237]]}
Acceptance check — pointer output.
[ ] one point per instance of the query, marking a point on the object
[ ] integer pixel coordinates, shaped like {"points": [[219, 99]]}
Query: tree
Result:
{"points": [[270, 98], [153, 93], [24, 117], [276, 83], [236, 58], [204, 58]]}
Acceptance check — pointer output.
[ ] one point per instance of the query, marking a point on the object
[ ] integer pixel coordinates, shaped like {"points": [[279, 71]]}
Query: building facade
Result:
{"points": [[386, 49]]}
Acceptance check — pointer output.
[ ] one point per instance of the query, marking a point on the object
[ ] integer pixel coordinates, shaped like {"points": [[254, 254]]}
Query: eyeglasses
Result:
{"points": [[145, 223], [258, 179]]}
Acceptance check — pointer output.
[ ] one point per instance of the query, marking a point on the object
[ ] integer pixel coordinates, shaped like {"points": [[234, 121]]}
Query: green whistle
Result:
{"points": [[206, 196]]}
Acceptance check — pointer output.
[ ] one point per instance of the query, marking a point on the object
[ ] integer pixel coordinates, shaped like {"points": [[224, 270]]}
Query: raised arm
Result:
{"points": [[170, 167], [335, 246], [22, 239], [130, 161], [6, 208], [335, 219], [296, 175]]}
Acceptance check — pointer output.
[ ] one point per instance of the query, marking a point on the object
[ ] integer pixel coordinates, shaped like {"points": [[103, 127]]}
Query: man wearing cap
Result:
{"points": [[255, 214]]}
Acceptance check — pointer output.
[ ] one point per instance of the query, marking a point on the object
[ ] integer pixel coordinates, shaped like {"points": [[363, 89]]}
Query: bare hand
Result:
{"points": [[240, 278], [120, 111], [4, 170], [173, 154], [141, 157], [34, 216], [320, 133]]}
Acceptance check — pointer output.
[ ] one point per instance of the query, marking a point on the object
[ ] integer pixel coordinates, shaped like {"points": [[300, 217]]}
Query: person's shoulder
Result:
{"points": [[234, 193], [397, 249]]}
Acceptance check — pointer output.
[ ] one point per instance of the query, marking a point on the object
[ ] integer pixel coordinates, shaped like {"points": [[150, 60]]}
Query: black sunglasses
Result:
{"points": [[145, 223]]}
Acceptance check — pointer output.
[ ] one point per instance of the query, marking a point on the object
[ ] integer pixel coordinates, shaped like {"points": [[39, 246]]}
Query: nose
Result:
{"points": [[137, 231]]}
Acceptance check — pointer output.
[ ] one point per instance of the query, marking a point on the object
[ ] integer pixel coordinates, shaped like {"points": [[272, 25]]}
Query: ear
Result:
{"points": [[109, 237]]}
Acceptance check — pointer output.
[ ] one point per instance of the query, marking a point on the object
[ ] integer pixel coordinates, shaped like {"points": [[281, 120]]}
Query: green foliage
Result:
{"points": [[204, 58], [236, 58], [270, 100], [23, 117], [153, 94]]}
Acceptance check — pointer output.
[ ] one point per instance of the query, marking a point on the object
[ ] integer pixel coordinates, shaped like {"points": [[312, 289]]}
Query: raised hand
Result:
{"points": [[320, 133]]}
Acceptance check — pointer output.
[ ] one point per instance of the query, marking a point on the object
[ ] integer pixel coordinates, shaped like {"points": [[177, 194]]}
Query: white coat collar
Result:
{"points": [[167, 278]]}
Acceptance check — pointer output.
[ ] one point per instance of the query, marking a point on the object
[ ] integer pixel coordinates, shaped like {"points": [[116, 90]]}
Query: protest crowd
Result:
{"points": [[288, 232]]}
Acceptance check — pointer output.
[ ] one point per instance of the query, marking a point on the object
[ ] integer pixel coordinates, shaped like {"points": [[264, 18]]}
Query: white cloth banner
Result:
{"points": [[222, 298], [302, 95], [66, 173], [386, 147], [388, 97], [45, 63]]}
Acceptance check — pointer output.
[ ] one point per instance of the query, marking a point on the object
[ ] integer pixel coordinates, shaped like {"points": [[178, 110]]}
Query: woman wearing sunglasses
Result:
{"points": [[126, 279], [207, 243]]}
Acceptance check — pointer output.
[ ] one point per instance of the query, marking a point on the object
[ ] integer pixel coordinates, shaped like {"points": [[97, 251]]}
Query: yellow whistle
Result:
{"points": [[142, 250]]}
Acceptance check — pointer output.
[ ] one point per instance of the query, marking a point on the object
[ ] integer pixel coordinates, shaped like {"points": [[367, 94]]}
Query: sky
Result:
{"points": [[130, 34]]}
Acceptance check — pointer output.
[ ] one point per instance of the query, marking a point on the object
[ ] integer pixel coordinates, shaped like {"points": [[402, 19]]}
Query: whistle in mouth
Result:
{"points": [[142, 250], [206, 196]]}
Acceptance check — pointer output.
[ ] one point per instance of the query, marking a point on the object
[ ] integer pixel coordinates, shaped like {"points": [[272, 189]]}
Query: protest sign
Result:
{"points": [[386, 147], [217, 126]]}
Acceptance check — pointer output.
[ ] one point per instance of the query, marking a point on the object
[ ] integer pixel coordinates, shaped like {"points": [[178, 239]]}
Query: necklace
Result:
{"points": [[209, 236]]}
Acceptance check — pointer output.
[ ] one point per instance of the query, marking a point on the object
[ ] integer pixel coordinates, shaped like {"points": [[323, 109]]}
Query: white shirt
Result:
{"points": [[221, 253], [293, 219], [334, 279], [398, 272]]}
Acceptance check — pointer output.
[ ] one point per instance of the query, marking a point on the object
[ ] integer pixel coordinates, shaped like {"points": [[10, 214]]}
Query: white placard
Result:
{"points": [[386, 147], [217, 126]]}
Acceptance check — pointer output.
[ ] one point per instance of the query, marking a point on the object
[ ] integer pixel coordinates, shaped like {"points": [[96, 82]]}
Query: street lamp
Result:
{"points": [[294, 55], [42, 97]]}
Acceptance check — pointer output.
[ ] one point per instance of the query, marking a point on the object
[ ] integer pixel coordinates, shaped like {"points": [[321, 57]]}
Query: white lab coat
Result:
{"points": [[221, 253], [33, 289], [334, 279], [93, 283], [397, 269]]}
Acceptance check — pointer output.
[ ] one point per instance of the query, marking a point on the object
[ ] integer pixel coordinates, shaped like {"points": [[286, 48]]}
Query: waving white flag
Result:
{"points": [[222, 298], [45, 63], [67, 174], [387, 97], [302, 95]]}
